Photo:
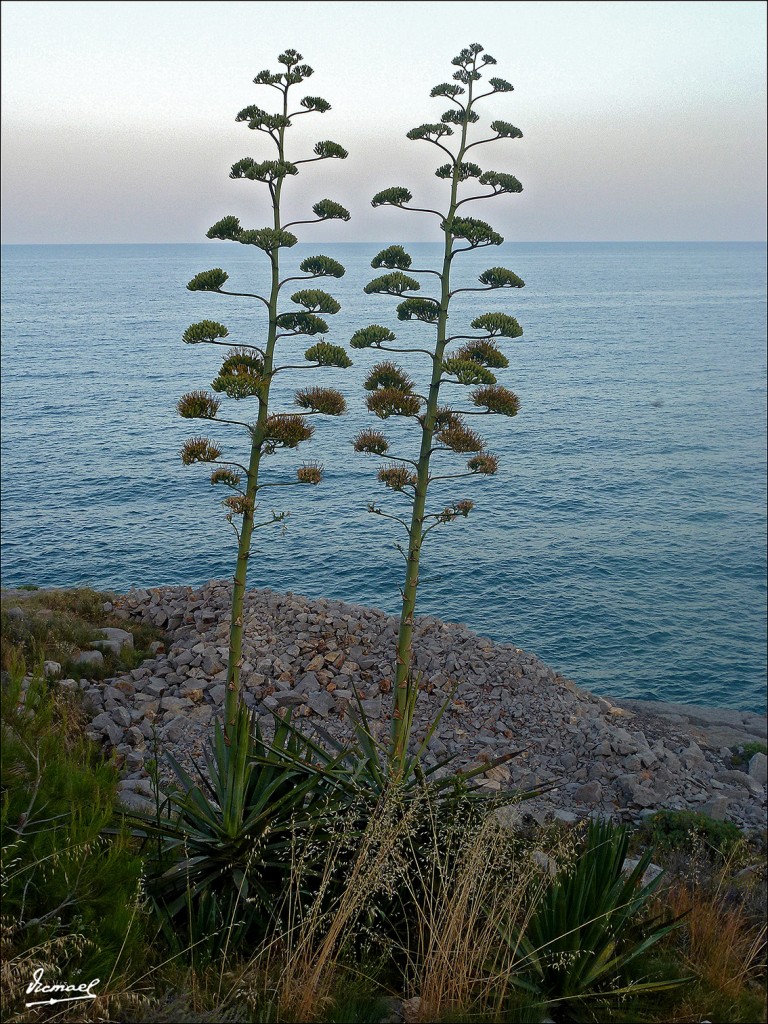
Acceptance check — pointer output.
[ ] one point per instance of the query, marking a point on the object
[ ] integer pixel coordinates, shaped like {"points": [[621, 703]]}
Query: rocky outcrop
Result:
{"points": [[593, 755]]}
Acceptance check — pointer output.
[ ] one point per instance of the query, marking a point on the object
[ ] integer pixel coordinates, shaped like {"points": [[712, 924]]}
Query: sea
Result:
{"points": [[623, 539]]}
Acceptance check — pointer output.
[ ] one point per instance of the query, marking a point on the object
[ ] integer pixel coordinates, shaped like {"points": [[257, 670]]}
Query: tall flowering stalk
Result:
{"points": [[248, 370], [392, 393]]}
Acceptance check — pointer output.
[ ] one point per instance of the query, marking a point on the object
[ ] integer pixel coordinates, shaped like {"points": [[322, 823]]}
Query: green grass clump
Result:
{"points": [[70, 891], [678, 830], [58, 624]]}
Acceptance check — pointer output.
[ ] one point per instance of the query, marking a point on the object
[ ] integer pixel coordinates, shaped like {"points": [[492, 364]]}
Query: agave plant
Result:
{"points": [[588, 928], [228, 838]]}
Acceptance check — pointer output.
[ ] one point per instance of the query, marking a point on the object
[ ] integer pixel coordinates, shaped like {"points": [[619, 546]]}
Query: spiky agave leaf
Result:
{"points": [[497, 399], [394, 283], [386, 402], [371, 337], [327, 209], [394, 257], [322, 266], [426, 310], [500, 277], [497, 325], [468, 372], [208, 280], [328, 401], [483, 464], [387, 375], [394, 196], [198, 405], [199, 449], [204, 331], [397, 478], [483, 352], [459, 438], [372, 442], [287, 430], [302, 323], [325, 354], [316, 301], [310, 473]]}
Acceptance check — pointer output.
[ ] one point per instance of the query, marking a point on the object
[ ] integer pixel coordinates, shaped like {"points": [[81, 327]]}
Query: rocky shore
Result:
{"points": [[618, 758]]}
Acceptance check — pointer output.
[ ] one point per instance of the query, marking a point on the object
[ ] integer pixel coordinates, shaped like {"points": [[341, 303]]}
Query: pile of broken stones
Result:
{"points": [[596, 757]]}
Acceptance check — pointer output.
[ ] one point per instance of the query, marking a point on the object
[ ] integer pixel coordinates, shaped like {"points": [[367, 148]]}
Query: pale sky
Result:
{"points": [[641, 121]]}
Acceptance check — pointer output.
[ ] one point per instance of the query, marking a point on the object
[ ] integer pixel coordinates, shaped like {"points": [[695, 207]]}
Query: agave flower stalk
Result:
{"points": [[470, 364], [248, 369]]}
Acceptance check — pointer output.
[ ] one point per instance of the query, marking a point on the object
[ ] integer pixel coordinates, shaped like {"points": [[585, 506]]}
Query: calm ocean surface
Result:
{"points": [[623, 540]]}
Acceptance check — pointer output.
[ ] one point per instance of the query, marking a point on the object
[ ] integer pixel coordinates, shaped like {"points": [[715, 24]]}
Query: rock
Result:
{"points": [[651, 873], [51, 669], [15, 613], [411, 1009], [758, 768], [715, 808], [104, 725], [121, 636], [589, 793], [321, 703], [157, 647], [95, 658]]}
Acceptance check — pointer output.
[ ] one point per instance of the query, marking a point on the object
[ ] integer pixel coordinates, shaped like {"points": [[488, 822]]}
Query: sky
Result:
{"points": [[641, 121]]}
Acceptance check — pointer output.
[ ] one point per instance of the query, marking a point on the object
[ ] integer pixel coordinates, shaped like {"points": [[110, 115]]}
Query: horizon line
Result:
{"points": [[557, 241]]}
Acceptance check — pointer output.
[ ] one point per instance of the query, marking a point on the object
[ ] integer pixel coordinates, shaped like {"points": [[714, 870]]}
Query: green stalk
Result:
{"points": [[235, 657], [405, 685]]}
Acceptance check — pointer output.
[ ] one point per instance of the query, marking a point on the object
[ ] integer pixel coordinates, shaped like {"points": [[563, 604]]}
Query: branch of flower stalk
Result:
{"points": [[234, 423], [242, 295], [386, 515], [452, 476], [419, 209], [471, 248], [386, 348], [293, 223], [440, 146], [234, 344], [488, 195], [229, 462], [489, 289]]}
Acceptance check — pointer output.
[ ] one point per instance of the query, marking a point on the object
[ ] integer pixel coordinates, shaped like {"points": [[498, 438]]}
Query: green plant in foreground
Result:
{"points": [[586, 933], [675, 830], [230, 838], [248, 370], [392, 392], [70, 894]]}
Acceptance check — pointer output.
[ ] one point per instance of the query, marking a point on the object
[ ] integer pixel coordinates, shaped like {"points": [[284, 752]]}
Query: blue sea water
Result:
{"points": [[623, 540]]}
